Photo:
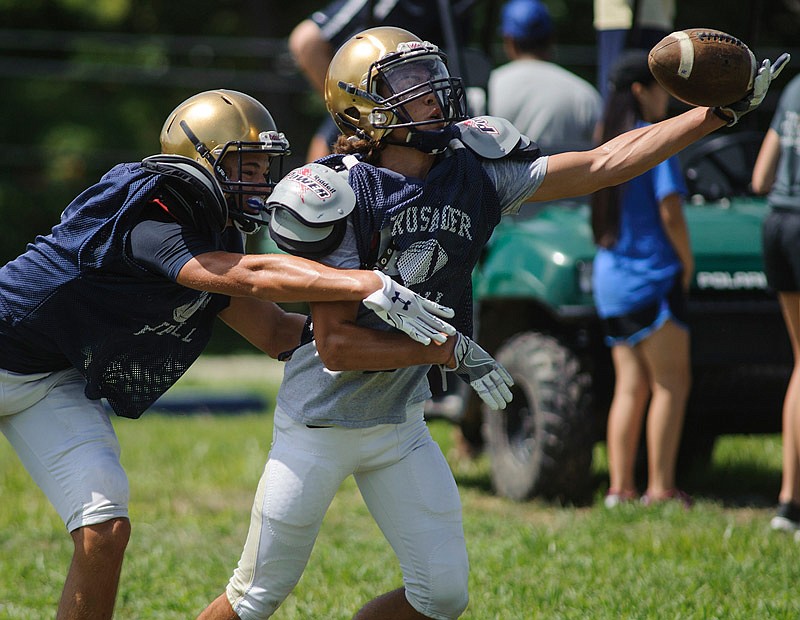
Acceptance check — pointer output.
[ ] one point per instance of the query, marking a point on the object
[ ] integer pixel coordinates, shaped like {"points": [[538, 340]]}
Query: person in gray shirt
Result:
{"points": [[777, 171], [543, 100]]}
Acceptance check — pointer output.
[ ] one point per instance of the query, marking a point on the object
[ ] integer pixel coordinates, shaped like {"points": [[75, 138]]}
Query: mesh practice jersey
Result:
{"points": [[78, 298]]}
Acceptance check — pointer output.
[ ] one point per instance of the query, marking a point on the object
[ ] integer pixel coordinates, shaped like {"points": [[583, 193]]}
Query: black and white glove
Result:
{"points": [[488, 378], [766, 73], [402, 308]]}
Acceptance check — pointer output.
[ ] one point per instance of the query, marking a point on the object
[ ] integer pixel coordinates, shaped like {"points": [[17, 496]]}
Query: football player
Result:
{"points": [[429, 186], [119, 300]]}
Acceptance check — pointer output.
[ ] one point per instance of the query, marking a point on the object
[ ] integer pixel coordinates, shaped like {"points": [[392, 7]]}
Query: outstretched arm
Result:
{"points": [[624, 157], [634, 152]]}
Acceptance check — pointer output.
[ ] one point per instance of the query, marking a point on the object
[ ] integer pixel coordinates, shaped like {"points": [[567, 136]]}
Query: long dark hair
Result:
{"points": [[368, 149], [622, 112]]}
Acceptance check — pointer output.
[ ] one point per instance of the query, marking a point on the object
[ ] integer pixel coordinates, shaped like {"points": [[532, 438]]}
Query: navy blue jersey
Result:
{"points": [[438, 226], [78, 298]]}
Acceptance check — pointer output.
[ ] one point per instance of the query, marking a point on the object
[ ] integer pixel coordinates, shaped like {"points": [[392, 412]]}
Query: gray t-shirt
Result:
{"points": [[547, 103], [786, 122], [312, 394]]}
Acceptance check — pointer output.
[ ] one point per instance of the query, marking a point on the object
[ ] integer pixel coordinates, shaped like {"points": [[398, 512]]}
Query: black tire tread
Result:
{"points": [[557, 461]]}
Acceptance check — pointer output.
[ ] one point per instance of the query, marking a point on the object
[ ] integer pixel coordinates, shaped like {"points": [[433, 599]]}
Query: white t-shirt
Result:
{"points": [[547, 103]]}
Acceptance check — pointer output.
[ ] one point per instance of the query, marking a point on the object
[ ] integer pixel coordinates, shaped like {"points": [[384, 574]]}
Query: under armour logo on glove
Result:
{"points": [[488, 378], [419, 318], [405, 303]]}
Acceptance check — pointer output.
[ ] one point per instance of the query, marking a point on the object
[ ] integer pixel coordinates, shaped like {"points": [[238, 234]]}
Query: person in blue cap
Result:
{"points": [[543, 100]]}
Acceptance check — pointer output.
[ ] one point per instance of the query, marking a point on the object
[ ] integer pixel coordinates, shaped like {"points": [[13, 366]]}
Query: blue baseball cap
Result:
{"points": [[526, 19]]}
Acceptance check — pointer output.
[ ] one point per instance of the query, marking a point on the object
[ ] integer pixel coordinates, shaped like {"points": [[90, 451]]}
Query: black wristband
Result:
{"points": [[308, 331], [729, 122], [306, 336]]}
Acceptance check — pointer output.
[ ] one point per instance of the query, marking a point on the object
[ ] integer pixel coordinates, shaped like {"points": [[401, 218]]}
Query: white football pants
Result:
{"points": [[407, 486], [67, 444]]}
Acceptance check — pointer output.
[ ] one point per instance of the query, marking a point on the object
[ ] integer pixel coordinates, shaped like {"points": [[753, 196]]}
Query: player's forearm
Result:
{"points": [[276, 277], [624, 157], [357, 348], [634, 152], [289, 278], [273, 334]]}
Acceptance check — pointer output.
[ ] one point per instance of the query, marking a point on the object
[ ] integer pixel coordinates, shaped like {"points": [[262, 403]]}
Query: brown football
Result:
{"points": [[703, 67]]}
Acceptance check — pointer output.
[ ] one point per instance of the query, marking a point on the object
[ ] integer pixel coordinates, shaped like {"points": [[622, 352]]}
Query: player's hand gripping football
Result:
{"points": [[402, 308], [488, 378], [766, 73]]}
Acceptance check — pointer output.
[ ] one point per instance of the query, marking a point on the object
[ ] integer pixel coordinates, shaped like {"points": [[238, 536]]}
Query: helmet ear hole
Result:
{"points": [[353, 114]]}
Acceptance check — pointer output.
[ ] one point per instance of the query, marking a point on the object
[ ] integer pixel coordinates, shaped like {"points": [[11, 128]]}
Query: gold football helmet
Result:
{"points": [[377, 72], [216, 124]]}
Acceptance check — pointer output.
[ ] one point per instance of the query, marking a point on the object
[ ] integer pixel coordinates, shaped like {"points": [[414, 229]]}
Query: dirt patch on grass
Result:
{"points": [[232, 368]]}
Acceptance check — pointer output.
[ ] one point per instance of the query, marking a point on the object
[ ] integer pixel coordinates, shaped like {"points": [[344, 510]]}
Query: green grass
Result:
{"points": [[192, 480]]}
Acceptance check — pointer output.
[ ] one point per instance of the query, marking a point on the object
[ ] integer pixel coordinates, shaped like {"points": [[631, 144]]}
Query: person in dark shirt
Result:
{"points": [[120, 298], [776, 172]]}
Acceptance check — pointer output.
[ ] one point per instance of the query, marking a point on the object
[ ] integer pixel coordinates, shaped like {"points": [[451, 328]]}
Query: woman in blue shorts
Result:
{"points": [[642, 272]]}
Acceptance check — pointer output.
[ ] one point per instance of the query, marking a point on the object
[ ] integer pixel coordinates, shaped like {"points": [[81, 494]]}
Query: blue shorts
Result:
{"points": [[631, 328]]}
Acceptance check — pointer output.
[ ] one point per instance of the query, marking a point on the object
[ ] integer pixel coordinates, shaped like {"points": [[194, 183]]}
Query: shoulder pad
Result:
{"points": [[491, 137], [197, 193], [308, 210]]}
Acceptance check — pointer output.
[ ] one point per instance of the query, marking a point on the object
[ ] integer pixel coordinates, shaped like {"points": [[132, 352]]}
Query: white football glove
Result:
{"points": [[402, 308], [488, 378], [767, 72]]}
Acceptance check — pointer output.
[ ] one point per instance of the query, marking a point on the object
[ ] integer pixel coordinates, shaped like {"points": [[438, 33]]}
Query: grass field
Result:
{"points": [[192, 480]]}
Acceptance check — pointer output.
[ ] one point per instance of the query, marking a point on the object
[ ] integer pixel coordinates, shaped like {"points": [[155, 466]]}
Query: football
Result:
{"points": [[703, 67]]}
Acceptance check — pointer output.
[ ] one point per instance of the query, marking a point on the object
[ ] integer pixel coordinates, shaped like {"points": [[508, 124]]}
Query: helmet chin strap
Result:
{"points": [[432, 142], [245, 223], [246, 226]]}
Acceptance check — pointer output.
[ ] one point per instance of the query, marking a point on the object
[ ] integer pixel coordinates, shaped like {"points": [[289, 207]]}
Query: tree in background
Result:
{"points": [[86, 83]]}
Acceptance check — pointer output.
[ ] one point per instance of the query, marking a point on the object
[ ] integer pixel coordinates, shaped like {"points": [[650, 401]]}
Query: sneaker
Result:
{"points": [[787, 518], [615, 498], [672, 495]]}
